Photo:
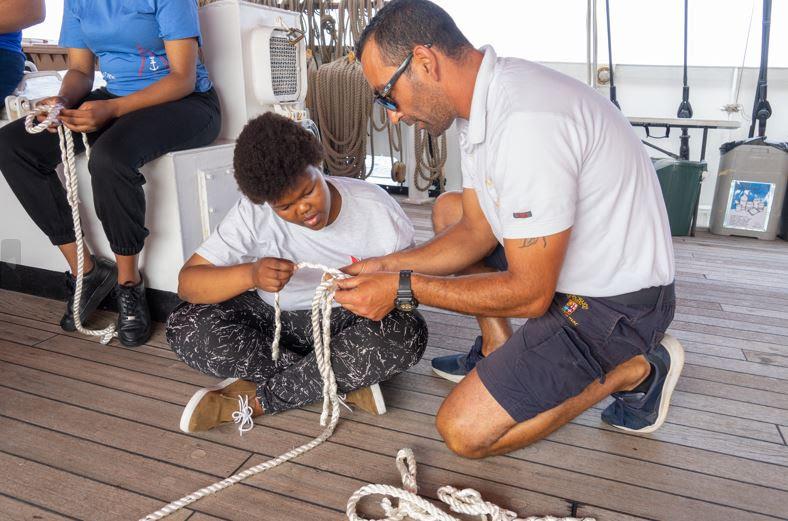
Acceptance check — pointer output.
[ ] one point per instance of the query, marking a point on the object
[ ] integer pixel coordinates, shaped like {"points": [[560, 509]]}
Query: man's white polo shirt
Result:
{"points": [[545, 152]]}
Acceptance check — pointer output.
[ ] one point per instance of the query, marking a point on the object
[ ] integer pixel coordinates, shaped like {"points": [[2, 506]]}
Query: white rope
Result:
{"points": [[412, 506], [68, 158], [321, 333]]}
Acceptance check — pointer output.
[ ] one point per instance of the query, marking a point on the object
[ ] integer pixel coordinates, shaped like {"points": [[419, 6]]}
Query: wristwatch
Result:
{"points": [[405, 300]]}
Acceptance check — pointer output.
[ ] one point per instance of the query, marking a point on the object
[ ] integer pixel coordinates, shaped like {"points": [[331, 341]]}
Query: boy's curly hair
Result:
{"points": [[271, 153]]}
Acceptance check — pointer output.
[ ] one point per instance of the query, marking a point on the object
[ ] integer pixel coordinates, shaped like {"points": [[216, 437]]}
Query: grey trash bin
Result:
{"points": [[750, 192]]}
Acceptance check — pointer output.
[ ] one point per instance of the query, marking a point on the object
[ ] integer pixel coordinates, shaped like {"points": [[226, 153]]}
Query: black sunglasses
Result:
{"points": [[383, 97]]}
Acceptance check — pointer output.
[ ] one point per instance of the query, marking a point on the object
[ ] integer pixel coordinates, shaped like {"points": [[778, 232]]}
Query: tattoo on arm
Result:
{"points": [[527, 243]]}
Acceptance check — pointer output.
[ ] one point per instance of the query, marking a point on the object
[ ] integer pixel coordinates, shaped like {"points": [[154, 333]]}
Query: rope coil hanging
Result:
{"points": [[321, 333], [431, 156], [68, 158], [412, 506], [344, 103]]}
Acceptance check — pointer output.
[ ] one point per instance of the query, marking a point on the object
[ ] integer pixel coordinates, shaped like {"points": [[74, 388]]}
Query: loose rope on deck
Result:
{"points": [[321, 333], [68, 157], [412, 506]]}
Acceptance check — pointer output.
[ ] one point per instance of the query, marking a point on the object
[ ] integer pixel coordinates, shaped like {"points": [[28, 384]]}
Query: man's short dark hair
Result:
{"points": [[403, 24], [271, 153]]}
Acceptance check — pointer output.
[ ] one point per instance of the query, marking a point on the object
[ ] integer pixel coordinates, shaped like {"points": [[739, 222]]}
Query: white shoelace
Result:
{"points": [[243, 416]]}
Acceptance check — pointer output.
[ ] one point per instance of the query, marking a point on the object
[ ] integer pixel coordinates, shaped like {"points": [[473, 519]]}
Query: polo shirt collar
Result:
{"points": [[477, 122]]}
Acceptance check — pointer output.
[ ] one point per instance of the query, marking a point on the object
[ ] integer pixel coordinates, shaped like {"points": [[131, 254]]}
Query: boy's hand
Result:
{"points": [[272, 274]]}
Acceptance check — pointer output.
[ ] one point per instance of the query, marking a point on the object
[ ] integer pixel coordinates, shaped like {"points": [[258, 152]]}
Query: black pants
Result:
{"points": [[118, 151], [233, 340]]}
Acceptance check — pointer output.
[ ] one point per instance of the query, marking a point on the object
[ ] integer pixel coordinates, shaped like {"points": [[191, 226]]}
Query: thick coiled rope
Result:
{"points": [[321, 334], [344, 104], [412, 506], [431, 156], [68, 158]]}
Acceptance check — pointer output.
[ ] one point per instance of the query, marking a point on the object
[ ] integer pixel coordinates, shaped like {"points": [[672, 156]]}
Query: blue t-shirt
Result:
{"points": [[128, 38], [11, 41]]}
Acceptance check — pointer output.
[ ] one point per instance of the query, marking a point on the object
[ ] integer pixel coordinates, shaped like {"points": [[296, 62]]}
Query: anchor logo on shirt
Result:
{"points": [[150, 60]]}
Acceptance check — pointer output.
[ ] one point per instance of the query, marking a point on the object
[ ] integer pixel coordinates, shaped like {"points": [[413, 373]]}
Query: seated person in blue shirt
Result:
{"points": [[158, 99], [17, 15], [289, 213]]}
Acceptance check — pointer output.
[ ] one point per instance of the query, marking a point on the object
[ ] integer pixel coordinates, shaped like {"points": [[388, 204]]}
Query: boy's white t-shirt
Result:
{"points": [[370, 224]]}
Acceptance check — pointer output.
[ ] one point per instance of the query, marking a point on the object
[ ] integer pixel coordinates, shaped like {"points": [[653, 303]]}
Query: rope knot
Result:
{"points": [[243, 416]]}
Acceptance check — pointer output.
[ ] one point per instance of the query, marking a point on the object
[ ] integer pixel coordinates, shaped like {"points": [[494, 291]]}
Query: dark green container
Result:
{"points": [[680, 181]]}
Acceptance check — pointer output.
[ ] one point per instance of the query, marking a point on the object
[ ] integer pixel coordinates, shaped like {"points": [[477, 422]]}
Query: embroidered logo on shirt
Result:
{"points": [[521, 215]]}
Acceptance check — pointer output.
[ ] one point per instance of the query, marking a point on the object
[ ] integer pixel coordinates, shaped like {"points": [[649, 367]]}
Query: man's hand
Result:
{"points": [[271, 274], [370, 296], [370, 265], [90, 116]]}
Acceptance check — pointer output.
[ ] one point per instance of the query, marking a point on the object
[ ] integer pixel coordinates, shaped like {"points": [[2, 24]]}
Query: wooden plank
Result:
{"points": [[692, 337], [21, 334], [739, 366], [686, 383], [76, 496], [48, 311], [735, 378], [729, 316], [15, 510], [729, 322], [121, 357], [602, 485], [157, 482], [768, 359], [37, 328], [705, 452], [137, 437], [757, 312], [60, 387], [164, 416], [783, 432], [85, 370], [702, 419]]}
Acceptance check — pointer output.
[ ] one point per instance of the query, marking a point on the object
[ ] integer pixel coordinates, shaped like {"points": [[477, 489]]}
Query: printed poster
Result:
{"points": [[749, 205]]}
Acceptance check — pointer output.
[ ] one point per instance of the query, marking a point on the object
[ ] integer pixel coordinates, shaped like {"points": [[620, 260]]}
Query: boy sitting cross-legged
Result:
{"points": [[289, 213]]}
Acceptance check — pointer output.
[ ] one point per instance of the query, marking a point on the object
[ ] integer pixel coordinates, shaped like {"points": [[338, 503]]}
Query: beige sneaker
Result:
{"points": [[368, 399], [227, 401]]}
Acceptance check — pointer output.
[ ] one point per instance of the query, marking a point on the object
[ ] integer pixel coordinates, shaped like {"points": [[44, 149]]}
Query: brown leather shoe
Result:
{"points": [[368, 399], [228, 401]]}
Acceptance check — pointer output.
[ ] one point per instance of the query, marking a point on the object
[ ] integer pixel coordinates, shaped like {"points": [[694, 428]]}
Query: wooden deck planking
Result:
{"points": [[723, 451]]}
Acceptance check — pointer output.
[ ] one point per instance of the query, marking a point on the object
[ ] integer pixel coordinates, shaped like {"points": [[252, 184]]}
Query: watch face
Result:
{"points": [[405, 306]]}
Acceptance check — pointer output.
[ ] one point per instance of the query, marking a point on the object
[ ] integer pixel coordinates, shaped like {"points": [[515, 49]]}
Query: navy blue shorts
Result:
{"points": [[580, 339]]}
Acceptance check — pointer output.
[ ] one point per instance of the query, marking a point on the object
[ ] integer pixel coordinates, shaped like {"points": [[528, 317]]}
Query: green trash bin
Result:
{"points": [[680, 181]]}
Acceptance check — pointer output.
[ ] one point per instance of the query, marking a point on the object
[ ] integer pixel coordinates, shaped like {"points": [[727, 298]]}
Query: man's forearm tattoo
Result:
{"points": [[527, 243]]}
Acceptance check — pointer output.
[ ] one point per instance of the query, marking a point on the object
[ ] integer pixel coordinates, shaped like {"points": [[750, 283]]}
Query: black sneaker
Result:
{"points": [[95, 286], [647, 410], [456, 367], [134, 323]]}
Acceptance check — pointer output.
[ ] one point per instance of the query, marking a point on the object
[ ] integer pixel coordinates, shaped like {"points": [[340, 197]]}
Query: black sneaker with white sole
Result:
{"points": [[96, 285], [134, 323]]}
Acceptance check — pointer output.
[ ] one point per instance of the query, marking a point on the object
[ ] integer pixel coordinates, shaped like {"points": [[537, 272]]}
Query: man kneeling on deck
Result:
{"points": [[289, 213], [561, 220]]}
